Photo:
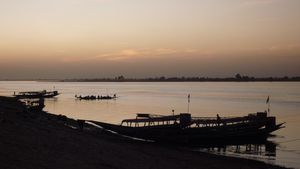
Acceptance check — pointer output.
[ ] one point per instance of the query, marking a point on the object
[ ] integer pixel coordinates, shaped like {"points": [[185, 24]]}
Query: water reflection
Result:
{"points": [[262, 151], [54, 99]]}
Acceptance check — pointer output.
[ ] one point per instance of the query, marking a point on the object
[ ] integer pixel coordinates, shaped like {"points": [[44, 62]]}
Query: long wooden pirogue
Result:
{"points": [[36, 94], [183, 128], [92, 97]]}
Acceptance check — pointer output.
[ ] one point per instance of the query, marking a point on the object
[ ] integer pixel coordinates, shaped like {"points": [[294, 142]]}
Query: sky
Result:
{"points": [[148, 38]]}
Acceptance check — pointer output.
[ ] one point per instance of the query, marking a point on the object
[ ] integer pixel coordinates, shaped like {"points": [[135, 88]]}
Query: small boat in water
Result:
{"points": [[107, 97], [36, 94], [183, 128]]}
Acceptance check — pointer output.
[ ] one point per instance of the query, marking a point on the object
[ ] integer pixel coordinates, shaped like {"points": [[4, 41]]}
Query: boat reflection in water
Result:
{"points": [[259, 151]]}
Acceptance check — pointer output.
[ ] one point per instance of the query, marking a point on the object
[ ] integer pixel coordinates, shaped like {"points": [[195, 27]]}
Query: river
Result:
{"points": [[206, 99]]}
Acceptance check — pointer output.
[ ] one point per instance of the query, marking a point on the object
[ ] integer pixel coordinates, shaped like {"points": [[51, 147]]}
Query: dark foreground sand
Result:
{"points": [[38, 140]]}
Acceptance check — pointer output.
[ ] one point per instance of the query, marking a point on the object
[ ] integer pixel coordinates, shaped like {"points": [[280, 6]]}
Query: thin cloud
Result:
{"points": [[137, 53], [132, 54], [286, 47], [259, 2], [84, 1]]}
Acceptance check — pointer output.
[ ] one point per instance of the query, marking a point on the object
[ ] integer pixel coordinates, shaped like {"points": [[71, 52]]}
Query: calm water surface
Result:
{"points": [[207, 99]]}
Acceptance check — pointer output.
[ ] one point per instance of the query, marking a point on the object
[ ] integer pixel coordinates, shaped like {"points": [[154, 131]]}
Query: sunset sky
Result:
{"points": [[148, 38]]}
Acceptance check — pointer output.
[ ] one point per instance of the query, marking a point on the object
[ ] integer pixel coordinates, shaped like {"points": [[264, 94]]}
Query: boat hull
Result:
{"points": [[37, 95], [202, 135]]}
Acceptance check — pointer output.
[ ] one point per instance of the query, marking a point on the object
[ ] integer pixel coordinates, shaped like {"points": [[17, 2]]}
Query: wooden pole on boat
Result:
{"points": [[189, 99], [268, 102], [269, 108]]}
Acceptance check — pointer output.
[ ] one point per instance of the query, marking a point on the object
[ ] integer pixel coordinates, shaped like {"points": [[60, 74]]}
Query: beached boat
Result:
{"points": [[36, 94], [183, 128]]}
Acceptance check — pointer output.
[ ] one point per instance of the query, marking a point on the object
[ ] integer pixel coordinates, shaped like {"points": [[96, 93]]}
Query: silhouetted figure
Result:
{"points": [[80, 124]]}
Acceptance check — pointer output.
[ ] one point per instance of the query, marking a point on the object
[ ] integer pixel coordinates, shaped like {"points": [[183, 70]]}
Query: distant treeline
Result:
{"points": [[236, 78]]}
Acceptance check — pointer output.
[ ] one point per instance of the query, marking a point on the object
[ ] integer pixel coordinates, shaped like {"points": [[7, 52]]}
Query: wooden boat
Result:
{"points": [[107, 97], [183, 128], [36, 94]]}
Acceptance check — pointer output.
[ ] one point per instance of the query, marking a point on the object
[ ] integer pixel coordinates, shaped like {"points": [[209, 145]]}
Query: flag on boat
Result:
{"points": [[189, 98], [268, 100]]}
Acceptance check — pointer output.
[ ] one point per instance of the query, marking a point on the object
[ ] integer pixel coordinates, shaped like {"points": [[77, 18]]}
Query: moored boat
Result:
{"points": [[36, 94], [183, 128]]}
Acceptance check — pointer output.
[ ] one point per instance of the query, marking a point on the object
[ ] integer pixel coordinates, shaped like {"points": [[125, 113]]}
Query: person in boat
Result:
{"points": [[218, 119]]}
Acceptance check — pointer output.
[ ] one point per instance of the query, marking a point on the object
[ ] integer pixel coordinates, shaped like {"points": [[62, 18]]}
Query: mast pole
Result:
{"points": [[269, 110], [269, 105], [189, 97]]}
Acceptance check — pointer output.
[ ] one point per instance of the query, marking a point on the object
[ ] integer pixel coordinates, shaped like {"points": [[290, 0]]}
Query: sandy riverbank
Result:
{"points": [[30, 140]]}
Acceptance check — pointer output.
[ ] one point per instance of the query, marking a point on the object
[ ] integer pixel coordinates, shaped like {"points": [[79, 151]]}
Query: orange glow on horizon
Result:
{"points": [[115, 31]]}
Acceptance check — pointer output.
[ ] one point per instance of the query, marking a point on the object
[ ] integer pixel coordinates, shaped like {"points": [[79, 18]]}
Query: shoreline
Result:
{"points": [[44, 140], [237, 78], [63, 81]]}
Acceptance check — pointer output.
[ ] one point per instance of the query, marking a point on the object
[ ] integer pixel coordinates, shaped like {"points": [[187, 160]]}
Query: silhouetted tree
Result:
{"points": [[121, 78], [238, 76], [162, 78]]}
